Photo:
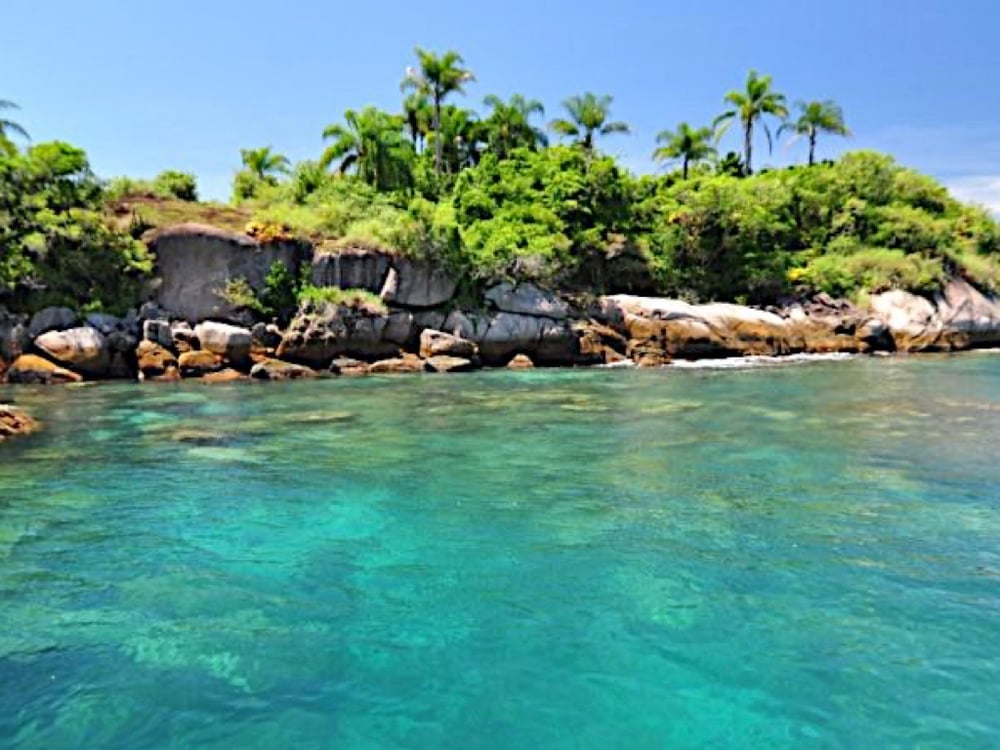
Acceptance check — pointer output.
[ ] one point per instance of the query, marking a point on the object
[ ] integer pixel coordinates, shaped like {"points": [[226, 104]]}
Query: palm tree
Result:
{"points": [[749, 107], [816, 118], [9, 125], [437, 77], [372, 143], [689, 145], [509, 124], [462, 136], [418, 115], [588, 116], [264, 163]]}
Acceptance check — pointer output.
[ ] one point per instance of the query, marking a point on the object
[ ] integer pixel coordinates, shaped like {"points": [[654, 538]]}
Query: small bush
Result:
{"points": [[238, 293], [333, 295], [173, 184]]}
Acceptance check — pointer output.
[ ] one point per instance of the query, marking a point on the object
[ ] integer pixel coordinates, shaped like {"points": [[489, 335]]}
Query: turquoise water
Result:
{"points": [[800, 556]]}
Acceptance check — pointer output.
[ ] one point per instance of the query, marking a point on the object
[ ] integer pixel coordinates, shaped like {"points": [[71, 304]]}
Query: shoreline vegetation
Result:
{"points": [[438, 238]]}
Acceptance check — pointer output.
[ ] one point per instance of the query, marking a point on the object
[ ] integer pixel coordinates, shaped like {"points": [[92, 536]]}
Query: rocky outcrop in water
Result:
{"points": [[14, 422]]}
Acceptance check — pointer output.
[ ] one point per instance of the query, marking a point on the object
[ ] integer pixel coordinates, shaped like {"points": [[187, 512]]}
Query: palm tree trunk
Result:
{"points": [[812, 148], [685, 167], [438, 143], [748, 147]]}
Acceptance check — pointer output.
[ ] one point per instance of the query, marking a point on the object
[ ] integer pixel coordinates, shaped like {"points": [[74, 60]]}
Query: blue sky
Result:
{"points": [[183, 84]]}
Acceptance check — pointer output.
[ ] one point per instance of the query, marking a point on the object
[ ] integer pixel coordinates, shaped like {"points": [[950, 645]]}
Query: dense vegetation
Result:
{"points": [[491, 196]]}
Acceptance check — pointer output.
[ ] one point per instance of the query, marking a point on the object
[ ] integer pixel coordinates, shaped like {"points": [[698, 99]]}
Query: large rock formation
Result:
{"points": [[527, 299], [51, 319], [319, 333], [399, 280], [194, 263], [958, 317]]}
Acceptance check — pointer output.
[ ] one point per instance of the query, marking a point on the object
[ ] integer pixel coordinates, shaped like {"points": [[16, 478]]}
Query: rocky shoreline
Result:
{"points": [[189, 331]]}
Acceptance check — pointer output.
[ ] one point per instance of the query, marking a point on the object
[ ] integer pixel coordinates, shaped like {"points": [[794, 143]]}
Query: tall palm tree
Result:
{"points": [[687, 144], [371, 142], [815, 118], [588, 116], [437, 77], [9, 125], [418, 115], [462, 135], [509, 124], [749, 107], [264, 163]]}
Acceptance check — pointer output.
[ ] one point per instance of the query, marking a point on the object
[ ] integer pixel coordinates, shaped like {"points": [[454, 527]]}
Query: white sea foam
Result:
{"points": [[732, 363]]}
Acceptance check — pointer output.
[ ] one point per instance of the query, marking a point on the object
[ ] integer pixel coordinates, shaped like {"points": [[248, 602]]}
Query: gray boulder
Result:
{"points": [[158, 331], [319, 333], [13, 336], [231, 342], [527, 299], [103, 322], [84, 350], [418, 283], [438, 343], [51, 319], [351, 268]]}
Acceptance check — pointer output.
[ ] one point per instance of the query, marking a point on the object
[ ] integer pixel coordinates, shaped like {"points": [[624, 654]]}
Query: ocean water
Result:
{"points": [[793, 556]]}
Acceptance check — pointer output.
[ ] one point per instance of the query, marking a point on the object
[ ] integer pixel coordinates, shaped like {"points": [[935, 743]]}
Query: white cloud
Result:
{"points": [[983, 190]]}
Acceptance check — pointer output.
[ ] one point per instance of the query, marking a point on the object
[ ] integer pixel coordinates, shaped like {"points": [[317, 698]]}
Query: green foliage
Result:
{"points": [[174, 184], [238, 293], [587, 116], [333, 295], [55, 245]]}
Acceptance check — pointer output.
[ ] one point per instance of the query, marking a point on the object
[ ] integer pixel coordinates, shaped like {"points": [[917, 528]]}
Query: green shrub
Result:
{"points": [[173, 184], [333, 295]]}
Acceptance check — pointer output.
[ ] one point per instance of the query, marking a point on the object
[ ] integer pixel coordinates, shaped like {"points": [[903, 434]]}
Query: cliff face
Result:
{"points": [[194, 262]]}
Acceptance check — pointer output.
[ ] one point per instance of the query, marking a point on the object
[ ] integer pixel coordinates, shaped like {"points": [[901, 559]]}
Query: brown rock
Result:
{"points": [[195, 364], [229, 375], [445, 363], [14, 422], [348, 367], [520, 362], [599, 344], [155, 362], [275, 369], [31, 369], [438, 343], [397, 365]]}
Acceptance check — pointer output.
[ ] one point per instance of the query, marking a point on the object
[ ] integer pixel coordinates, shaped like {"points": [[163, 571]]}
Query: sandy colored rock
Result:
{"points": [[195, 364], [154, 362], [228, 375], [14, 422], [408, 363], [446, 363], [31, 369], [438, 343], [275, 369], [520, 362]]}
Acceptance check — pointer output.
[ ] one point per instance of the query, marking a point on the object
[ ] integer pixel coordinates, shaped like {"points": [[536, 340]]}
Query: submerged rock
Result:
{"points": [[14, 422], [348, 366], [446, 363], [520, 362], [30, 369], [228, 375]]}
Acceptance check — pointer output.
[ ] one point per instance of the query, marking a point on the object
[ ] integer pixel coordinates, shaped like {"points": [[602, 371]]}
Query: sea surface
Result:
{"points": [[801, 555]]}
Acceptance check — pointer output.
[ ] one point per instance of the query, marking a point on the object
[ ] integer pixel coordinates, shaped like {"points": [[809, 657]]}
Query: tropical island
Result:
{"points": [[439, 238]]}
